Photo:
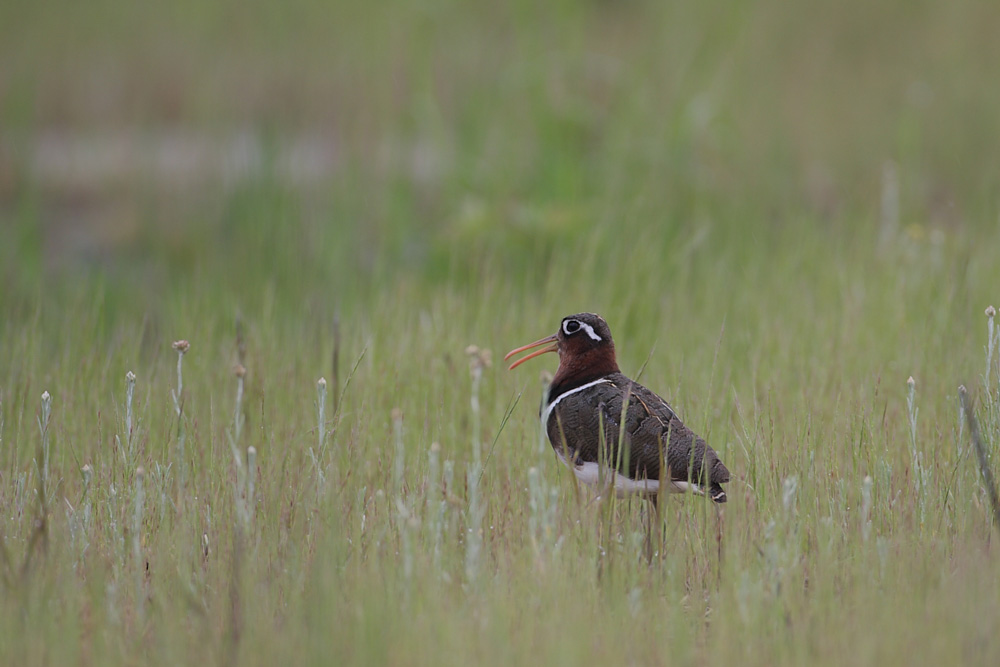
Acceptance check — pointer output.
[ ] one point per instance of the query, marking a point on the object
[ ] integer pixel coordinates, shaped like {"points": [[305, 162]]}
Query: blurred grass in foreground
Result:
{"points": [[788, 208]]}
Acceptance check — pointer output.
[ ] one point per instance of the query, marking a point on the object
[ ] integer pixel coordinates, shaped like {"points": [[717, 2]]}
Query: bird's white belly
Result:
{"points": [[590, 473]]}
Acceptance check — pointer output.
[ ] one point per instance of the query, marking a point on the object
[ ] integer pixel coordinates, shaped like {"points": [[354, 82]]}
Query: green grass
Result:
{"points": [[709, 178]]}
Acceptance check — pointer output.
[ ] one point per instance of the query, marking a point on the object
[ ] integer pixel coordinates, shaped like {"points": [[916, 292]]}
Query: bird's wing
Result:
{"points": [[661, 432], [653, 434]]}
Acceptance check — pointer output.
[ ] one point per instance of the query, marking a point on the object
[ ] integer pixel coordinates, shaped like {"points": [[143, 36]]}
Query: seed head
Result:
{"points": [[181, 346], [322, 382], [478, 357], [991, 312], [239, 370], [130, 376]]}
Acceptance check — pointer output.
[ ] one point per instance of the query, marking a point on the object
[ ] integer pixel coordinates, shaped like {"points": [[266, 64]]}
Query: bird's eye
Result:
{"points": [[571, 327]]}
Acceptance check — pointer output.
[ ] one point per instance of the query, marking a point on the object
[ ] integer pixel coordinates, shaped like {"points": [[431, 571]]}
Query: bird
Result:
{"points": [[589, 394]]}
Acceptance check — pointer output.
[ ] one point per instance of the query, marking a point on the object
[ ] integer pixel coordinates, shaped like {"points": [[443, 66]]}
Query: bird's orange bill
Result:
{"points": [[551, 347]]}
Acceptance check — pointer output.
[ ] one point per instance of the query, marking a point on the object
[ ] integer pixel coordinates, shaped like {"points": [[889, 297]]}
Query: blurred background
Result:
{"points": [[326, 151]]}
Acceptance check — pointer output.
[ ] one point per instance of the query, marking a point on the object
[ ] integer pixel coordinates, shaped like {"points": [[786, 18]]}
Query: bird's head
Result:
{"points": [[583, 342]]}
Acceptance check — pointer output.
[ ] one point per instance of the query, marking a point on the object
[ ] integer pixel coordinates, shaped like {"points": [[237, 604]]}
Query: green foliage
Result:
{"points": [[783, 210]]}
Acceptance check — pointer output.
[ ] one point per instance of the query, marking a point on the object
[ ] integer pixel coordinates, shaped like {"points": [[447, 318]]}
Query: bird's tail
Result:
{"points": [[717, 493]]}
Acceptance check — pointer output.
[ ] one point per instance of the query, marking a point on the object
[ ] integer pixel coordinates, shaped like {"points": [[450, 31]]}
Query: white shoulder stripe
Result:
{"points": [[552, 404]]}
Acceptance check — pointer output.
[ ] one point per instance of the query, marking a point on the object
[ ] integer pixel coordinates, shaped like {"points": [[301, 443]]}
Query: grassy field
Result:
{"points": [[784, 211]]}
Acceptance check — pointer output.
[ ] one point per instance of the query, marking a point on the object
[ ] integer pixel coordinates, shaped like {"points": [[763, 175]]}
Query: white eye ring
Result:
{"points": [[580, 325]]}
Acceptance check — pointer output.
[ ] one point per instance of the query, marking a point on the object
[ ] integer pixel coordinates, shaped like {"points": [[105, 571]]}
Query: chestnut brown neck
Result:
{"points": [[577, 369]]}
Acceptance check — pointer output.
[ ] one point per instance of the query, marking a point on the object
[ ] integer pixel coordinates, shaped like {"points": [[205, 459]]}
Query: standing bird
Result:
{"points": [[589, 393]]}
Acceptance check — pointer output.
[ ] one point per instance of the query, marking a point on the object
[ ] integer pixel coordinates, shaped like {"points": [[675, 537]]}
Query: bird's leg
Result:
{"points": [[654, 528], [596, 496], [720, 524], [649, 515], [659, 503]]}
